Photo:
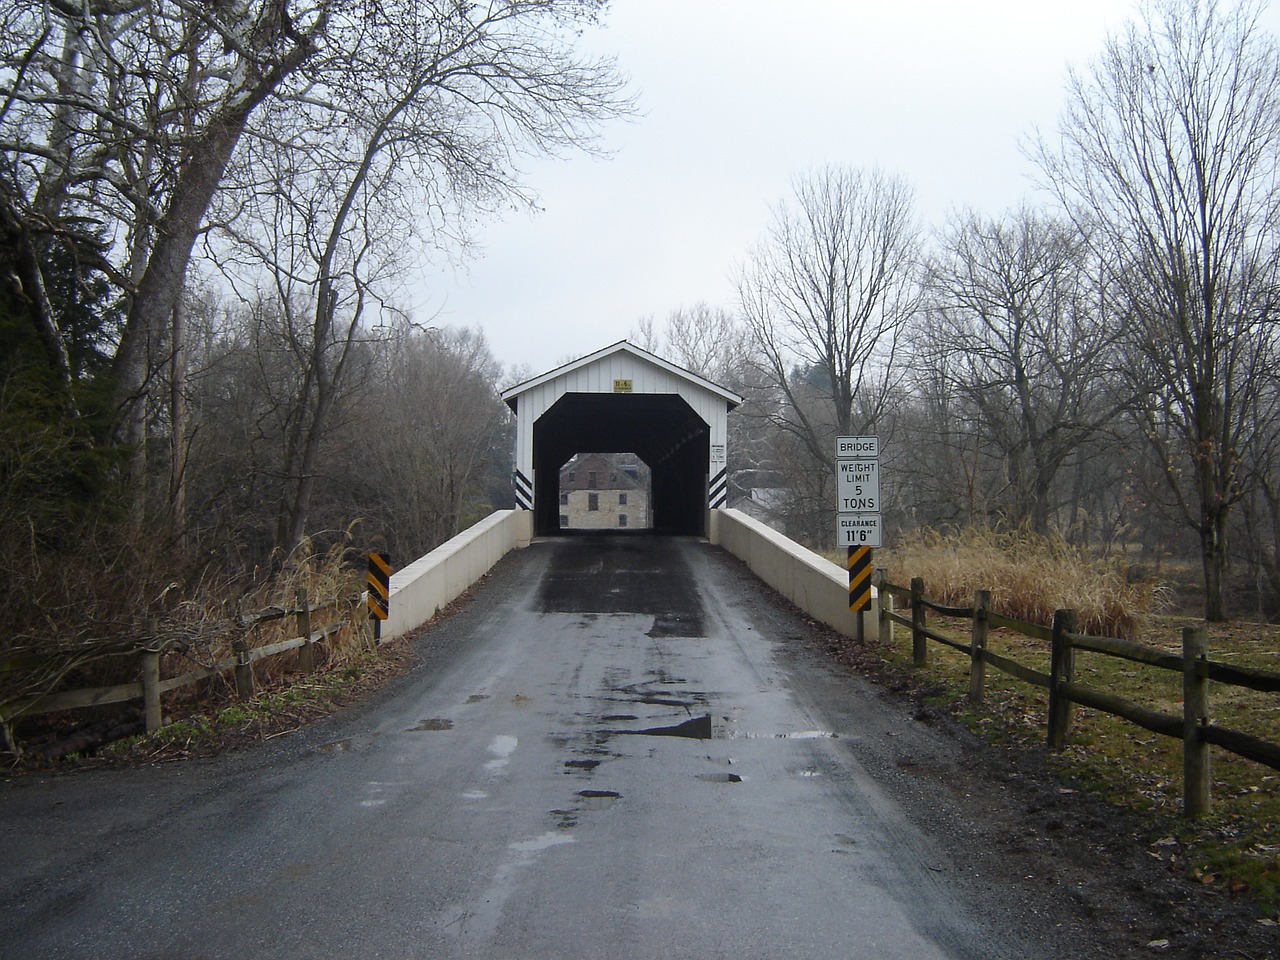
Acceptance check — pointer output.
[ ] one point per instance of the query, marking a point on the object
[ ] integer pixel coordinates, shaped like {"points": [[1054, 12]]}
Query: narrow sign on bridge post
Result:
{"points": [[859, 563], [378, 580]]}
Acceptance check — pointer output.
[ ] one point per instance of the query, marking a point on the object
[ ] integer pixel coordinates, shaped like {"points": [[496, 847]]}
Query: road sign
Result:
{"points": [[857, 448], [859, 564], [858, 495], [378, 579], [858, 530], [857, 486]]}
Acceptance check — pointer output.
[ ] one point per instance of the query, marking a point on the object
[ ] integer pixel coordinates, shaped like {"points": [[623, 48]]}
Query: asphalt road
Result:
{"points": [[619, 754]]}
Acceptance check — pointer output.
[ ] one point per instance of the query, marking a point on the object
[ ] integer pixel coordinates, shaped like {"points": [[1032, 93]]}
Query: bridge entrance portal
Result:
{"points": [[624, 400]]}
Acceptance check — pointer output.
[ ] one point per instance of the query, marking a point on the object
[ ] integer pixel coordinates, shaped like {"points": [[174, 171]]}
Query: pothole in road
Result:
{"points": [[720, 777], [565, 819], [647, 694], [348, 745], [669, 626], [582, 764], [435, 723]]}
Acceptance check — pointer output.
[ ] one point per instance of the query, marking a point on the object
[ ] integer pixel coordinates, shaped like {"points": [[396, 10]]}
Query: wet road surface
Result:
{"points": [[616, 760]]}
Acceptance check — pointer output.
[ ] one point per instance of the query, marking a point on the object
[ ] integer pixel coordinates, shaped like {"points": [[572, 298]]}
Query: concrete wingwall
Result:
{"points": [[421, 589], [813, 583]]}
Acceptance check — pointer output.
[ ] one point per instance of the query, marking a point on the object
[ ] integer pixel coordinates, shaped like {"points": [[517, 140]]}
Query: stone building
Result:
{"points": [[604, 492]]}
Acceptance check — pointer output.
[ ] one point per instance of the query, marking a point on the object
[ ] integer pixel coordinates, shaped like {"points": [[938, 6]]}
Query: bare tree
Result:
{"points": [[415, 126], [827, 296], [1260, 468], [1017, 326], [706, 340], [129, 116], [1169, 145], [117, 123], [432, 432], [713, 343]]}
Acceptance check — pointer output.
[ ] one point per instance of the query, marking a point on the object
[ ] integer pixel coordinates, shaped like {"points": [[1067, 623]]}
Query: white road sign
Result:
{"points": [[858, 492], [857, 486], [858, 530], [860, 448]]}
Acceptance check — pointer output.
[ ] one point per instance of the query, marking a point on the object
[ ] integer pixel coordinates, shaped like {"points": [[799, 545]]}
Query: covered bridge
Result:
{"points": [[623, 399]]}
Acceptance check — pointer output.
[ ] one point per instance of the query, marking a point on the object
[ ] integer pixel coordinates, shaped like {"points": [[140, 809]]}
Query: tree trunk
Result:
{"points": [[294, 527], [1213, 546], [161, 283], [31, 287], [178, 427]]}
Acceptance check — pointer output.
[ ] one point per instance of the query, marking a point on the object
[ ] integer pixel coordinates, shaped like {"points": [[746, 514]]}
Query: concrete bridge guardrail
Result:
{"points": [[429, 583], [813, 583]]}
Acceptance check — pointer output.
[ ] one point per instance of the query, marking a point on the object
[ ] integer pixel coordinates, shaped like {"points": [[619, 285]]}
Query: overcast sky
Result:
{"points": [[736, 98]]}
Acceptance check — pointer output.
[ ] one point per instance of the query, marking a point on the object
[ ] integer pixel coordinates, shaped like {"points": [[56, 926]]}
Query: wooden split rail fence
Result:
{"points": [[151, 685], [1193, 727]]}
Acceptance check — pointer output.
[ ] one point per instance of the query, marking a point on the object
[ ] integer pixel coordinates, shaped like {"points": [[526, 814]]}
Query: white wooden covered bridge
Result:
{"points": [[623, 399]]}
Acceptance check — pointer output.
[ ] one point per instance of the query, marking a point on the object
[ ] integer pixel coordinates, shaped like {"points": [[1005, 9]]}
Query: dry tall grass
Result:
{"points": [[206, 626], [1029, 577]]}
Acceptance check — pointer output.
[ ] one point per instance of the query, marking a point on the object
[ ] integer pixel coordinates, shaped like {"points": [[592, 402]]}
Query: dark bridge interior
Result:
{"points": [[661, 429]]}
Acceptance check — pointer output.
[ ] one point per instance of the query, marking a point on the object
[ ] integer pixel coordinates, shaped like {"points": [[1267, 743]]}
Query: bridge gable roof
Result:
{"points": [[618, 358]]}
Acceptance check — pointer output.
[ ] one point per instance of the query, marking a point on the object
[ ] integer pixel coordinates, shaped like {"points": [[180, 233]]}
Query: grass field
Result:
{"points": [[1238, 844]]}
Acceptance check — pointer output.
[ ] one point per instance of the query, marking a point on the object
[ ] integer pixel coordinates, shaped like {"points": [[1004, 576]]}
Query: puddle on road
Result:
{"points": [[599, 799], [538, 844], [695, 728], [582, 764], [502, 747], [795, 735], [653, 700]]}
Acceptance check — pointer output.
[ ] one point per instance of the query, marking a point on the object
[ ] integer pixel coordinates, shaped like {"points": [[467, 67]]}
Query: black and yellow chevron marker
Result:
{"points": [[859, 564], [379, 579]]}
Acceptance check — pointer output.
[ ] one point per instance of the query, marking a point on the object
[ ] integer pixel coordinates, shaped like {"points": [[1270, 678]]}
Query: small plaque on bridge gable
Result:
{"points": [[621, 386]]}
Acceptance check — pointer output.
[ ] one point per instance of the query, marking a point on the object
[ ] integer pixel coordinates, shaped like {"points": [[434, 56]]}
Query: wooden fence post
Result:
{"points": [[307, 652], [919, 642], [151, 689], [884, 606], [1195, 717], [1062, 661], [244, 669], [977, 646]]}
